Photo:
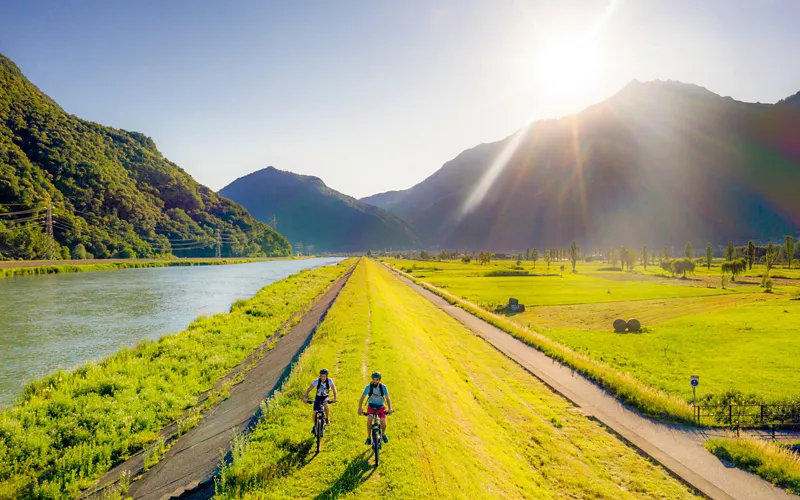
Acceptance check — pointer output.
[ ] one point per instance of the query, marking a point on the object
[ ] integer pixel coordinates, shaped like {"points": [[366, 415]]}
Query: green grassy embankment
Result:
{"points": [[67, 429], [469, 422], [769, 460], [8, 272]]}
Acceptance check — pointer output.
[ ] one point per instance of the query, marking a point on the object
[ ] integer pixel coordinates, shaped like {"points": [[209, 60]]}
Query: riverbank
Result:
{"points": [[10, 269], [69, 428]]}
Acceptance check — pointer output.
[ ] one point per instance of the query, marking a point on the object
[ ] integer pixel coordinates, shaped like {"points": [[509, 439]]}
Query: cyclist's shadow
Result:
{"points": [[356, 474]]}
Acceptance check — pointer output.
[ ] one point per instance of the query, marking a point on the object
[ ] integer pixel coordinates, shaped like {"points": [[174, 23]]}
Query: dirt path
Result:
{"points": [[188, 468], [678, 448]]}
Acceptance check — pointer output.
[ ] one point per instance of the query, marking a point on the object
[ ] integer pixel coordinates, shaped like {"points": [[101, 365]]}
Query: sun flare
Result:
{"points": [[567, 67]]}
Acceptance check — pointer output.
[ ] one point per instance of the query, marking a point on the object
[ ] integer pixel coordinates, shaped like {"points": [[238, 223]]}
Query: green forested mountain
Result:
{"points": [[310, 212], [112, 193], [658, 163]]}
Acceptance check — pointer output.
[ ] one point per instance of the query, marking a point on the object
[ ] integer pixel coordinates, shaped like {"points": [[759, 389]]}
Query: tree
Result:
{"points": [[628, 257], [64, 253], [734, 267], [612, 257], [789, 247], [683, 266], [644, 257], [709, 255], [535, 256], [547, 259], [574, 253], [770, 257], [127, 253], [688, 251], [730, 251], [751, 253], [79, 252], [666, 253]]}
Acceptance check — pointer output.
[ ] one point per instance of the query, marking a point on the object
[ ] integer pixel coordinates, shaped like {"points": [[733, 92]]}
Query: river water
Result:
{"points": [[67, 319]]}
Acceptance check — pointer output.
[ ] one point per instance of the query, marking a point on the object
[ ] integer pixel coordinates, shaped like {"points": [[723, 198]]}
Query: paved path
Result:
{"points": [[677, 448], [188, 468]]}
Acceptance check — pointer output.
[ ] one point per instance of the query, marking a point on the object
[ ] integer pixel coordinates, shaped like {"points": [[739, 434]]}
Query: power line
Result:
{"points": [[20, 212]]}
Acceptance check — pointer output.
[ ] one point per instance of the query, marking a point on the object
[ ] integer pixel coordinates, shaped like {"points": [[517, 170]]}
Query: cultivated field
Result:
{"points": [[469, 422], [741, 341]]}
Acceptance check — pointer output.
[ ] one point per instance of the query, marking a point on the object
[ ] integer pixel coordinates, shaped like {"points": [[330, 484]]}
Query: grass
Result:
{"points": [[8, 272], [740, 340], [66, 430], [469, 422], [769, 460]]}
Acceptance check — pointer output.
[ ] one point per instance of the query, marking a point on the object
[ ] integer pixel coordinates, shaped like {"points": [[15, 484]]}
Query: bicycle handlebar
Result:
{"points": [[311, 402]]}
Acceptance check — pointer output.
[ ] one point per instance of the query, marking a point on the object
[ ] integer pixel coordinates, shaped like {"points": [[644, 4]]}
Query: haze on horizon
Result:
{"points": [[376, 96]]}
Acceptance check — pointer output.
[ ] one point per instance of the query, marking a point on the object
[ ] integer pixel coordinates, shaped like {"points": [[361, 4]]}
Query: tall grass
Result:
{"points": [[770, 460], [648, 400], [69, 428], [79, 268]]}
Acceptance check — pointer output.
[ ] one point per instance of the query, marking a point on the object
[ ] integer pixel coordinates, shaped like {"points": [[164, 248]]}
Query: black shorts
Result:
{"points": [[319, 401]]}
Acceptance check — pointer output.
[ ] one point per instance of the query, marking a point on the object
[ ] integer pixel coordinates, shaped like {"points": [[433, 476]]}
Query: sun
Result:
{"points": [[567, 67]]}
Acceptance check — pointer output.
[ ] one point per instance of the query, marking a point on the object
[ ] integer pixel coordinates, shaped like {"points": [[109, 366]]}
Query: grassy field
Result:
{"points": [[69, 428], [469, 422], [26, 268], [739, 340]]}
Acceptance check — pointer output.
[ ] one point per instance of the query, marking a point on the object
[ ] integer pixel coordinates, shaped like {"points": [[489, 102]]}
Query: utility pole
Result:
{"points": [[273, 222], [219, 244], [50, 230]]}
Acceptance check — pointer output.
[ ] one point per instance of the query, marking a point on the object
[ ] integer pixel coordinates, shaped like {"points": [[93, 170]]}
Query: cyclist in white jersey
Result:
{"points": [[324, 385]]}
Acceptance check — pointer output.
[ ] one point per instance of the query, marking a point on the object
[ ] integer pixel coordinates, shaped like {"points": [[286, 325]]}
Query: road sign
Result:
{"points": [[695, 380]]}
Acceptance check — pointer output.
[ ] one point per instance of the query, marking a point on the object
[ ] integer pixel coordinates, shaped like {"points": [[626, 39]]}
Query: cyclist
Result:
{"points": [[377, 393], [324, 385]]}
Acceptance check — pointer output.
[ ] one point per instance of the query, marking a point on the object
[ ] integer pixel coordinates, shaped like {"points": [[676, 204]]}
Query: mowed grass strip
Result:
{"points": [[768, 459], [469, 422], [69, 428]]}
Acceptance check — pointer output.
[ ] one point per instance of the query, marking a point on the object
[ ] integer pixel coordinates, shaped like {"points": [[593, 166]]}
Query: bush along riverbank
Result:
{"points": [[69, 428], [10, 272]]}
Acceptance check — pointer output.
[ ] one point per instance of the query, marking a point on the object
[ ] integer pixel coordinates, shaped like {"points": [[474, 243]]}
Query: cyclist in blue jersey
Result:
{"points": [[378, 393], [324, 385]]}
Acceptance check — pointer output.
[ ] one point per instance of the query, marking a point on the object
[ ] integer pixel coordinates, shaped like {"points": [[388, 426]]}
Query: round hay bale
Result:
{"points": [[634, 325], [620, 325]]}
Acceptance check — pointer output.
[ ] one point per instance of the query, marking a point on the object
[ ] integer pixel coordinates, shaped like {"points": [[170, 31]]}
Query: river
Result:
{"points": [[67, 319]]}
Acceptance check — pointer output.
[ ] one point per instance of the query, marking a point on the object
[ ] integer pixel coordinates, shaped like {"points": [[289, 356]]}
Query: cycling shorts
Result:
{"points": [[319, 402], [380, 412]]}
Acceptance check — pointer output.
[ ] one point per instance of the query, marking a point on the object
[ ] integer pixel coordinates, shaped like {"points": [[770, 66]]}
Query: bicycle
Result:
{"points": [[377, 436], [319, 423]]}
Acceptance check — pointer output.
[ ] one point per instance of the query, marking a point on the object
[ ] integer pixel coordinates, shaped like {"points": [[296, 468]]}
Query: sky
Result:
{"points": [[373, 95]]}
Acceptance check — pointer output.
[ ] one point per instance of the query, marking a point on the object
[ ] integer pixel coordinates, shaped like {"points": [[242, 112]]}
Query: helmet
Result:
{"points": [[376, 374], [324, 371]]}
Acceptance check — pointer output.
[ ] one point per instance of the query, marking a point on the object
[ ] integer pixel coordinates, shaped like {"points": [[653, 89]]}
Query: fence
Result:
{"points": [[748, 415]]}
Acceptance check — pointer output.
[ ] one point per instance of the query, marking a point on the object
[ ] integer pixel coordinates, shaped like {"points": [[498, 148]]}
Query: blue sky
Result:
{"points": [[376, 95]]}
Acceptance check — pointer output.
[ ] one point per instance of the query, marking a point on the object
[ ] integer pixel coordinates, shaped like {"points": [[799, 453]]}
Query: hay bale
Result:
{"points": [[620, 325], [634, 325]]}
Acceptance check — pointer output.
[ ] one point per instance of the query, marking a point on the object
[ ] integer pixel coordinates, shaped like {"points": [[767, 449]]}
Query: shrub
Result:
{"points": [[127, 253], [79, 252], [766, 282], [682, 266], [620, 325], [634, 325]]}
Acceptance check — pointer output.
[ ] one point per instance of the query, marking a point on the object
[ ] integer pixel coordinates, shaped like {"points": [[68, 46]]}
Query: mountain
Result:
{"points": [[658, 163], [112, 193], [792, 100], [310, 212]]}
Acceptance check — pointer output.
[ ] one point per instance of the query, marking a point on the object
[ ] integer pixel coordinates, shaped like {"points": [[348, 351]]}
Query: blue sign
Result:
{"points": [[695, 380]]}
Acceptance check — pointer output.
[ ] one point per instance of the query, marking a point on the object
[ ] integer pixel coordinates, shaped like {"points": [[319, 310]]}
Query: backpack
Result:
{"points": [[327, 384], [372, 389]]}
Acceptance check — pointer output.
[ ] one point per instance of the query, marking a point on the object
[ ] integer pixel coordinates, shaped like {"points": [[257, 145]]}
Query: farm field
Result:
{"points": [[469, 422], [739, 340]]}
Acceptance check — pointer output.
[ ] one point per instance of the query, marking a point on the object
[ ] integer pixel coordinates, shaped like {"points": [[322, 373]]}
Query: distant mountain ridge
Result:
{"points": [[309, 211], [657, 163], [111, 191]]}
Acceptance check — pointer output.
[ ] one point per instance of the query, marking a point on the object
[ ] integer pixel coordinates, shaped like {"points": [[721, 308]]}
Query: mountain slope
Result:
{"points": [[310, 212], [111, 190], [658, 163]]}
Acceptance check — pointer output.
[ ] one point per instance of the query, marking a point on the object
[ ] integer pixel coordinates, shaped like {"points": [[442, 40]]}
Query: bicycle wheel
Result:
{"points": [[319, 432], [376, 446]]}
